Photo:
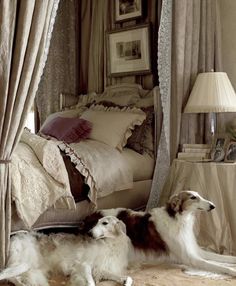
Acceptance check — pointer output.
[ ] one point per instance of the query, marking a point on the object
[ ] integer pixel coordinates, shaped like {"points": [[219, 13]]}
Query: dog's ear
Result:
{"points": [[175, 203], [120, 227]]}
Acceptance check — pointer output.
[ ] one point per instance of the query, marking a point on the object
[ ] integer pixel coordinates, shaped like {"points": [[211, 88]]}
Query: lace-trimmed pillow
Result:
{"points": [[113, 125]]}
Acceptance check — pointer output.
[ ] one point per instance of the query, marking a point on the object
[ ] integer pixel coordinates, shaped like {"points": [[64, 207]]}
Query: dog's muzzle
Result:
{"points": [[211, 207]]}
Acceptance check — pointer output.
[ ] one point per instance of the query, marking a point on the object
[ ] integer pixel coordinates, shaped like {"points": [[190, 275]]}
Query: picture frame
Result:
{"points": [[129, 51], [219, 146], [127, 10], [230, 155]]}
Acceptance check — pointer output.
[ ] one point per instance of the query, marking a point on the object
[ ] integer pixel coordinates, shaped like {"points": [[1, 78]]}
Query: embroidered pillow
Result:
{"points": [[141, 139], [113, 125], [70, 130]]}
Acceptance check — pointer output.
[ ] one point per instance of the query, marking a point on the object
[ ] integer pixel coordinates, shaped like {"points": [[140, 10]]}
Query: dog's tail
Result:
{"points": [[14, 271]]}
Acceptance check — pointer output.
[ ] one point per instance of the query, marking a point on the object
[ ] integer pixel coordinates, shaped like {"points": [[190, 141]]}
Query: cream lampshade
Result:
{"points": [[211, 93]]}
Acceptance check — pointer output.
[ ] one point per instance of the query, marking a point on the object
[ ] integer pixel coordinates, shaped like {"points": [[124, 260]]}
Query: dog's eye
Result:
{"points": [[105, 223], [193, 198]]}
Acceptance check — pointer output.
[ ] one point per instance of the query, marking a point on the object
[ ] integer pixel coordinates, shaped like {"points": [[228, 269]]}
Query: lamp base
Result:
{"points": [[213, 126]]}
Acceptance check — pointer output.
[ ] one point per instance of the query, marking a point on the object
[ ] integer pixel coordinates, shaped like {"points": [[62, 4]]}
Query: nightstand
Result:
{"points": [[215, 181]]}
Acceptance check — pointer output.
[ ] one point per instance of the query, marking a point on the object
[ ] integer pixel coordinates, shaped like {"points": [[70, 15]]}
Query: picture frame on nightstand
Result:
{"points": [[219, 147], [230, 155]]}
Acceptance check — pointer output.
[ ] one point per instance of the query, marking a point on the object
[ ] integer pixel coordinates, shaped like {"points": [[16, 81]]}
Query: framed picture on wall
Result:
{"points": [[231, 152], [129, 51], [127, 10], [219, 146]]}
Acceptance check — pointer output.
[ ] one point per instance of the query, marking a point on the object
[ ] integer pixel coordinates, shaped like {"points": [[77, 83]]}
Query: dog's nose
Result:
{"points": [[212, 207]]}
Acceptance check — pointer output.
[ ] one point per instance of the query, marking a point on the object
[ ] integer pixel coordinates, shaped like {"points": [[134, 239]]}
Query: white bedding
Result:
{"points": [[39, 178], [104, 167], [141, 165]]}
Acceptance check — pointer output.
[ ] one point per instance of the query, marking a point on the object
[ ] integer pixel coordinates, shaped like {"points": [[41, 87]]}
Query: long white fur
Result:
{"points": [[87, 260], [178, 234]]}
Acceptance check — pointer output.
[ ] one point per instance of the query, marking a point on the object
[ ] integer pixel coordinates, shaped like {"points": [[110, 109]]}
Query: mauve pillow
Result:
{"points": [[70, 130]]}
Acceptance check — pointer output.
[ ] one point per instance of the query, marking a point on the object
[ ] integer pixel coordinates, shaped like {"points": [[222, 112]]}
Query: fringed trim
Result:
{"points": [[69, 151]]}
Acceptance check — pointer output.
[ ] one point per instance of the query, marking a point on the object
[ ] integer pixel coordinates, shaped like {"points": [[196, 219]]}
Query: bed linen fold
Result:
{"points": [[39, 178], [104, 168]]}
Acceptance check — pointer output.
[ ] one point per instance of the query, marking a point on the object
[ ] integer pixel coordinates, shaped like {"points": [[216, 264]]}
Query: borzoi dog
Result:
{"points": [[166, 233], [86, 259]]}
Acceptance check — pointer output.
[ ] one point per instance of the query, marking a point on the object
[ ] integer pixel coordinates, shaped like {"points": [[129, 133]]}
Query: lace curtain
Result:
{"points": [[189, 43]]}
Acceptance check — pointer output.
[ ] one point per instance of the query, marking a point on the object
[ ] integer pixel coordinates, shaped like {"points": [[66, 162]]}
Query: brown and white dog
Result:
{"points": [[166, 233]]}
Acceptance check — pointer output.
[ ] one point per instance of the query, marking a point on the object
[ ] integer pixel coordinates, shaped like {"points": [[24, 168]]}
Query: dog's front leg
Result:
{"points": [[217, 257], [123, 280], [81, 275], [212, 266]]}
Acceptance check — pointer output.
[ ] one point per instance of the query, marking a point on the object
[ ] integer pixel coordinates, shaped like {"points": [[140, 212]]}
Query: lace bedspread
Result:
{"points": [[39, 178]]}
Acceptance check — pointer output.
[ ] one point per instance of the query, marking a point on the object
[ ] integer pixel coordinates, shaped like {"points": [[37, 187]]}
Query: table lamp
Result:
{"points": [[212, 93]]}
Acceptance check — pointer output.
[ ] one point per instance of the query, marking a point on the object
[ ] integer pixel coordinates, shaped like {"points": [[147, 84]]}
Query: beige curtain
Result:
{"points": [[196, 47], [25, 27]]}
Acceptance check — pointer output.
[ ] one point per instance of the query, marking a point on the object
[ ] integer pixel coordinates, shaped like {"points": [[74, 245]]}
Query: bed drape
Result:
{"points": [[195, 46], [77, 62], [25, 29]]}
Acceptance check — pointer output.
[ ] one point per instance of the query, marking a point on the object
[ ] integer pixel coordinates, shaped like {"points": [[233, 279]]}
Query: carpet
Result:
{"points": [[161, 275]]}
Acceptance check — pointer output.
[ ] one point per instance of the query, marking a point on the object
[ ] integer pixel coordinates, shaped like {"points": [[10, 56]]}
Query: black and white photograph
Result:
{"points": [[127, 9], [231, 152], [129, 51], [219, 146]]}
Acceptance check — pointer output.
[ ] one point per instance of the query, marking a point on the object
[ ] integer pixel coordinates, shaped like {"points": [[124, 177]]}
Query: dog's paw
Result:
{"points": [[128, 281]]}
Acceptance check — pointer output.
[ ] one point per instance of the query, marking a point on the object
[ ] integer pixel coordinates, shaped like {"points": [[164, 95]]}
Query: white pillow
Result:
{"points": [[112, 125]]}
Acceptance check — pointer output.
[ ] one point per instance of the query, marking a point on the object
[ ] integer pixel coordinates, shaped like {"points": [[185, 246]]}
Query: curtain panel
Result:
{"points": [[195, 46], [25, 29]]}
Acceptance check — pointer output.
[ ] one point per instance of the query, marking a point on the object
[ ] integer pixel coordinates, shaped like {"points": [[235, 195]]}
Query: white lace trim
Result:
{"points": [[164, 71], [49, 33], [89, 180]]}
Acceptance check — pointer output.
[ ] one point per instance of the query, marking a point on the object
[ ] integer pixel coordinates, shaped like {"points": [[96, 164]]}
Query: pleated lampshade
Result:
{"points": [[212, 92]]}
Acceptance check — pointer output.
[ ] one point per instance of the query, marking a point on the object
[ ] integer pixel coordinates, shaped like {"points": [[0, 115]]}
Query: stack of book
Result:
{"points": [[195, 152]]}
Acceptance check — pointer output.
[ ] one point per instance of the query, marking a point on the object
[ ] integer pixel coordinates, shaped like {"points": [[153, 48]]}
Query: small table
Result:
{"points": [[215, 181]]}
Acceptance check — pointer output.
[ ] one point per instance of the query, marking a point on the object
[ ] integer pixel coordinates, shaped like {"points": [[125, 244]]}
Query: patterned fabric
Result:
{"points": [[141, 139], [70, 130]]}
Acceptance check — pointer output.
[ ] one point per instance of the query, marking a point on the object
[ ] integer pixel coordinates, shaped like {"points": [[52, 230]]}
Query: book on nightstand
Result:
{"points": [[194, 152]]}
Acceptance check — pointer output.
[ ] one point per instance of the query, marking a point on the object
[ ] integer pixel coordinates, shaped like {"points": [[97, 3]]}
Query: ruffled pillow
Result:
{"points": [[69, 130], [113, 125]]}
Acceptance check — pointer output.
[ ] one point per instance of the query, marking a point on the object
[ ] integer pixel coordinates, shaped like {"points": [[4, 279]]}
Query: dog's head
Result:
{"points": [[187, 201], [108, 226]]}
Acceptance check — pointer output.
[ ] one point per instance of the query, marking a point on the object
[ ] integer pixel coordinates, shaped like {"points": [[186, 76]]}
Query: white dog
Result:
{"points": [[103, 256], [166, 233]]}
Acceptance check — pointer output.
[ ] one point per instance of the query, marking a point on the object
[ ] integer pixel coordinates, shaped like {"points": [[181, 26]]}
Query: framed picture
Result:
{"points": [[127, 10], [219, 147], [231, 152], [129, 51]]}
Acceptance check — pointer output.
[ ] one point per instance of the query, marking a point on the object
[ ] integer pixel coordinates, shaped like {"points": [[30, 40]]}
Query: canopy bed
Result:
{"points": [[111, 174]]}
